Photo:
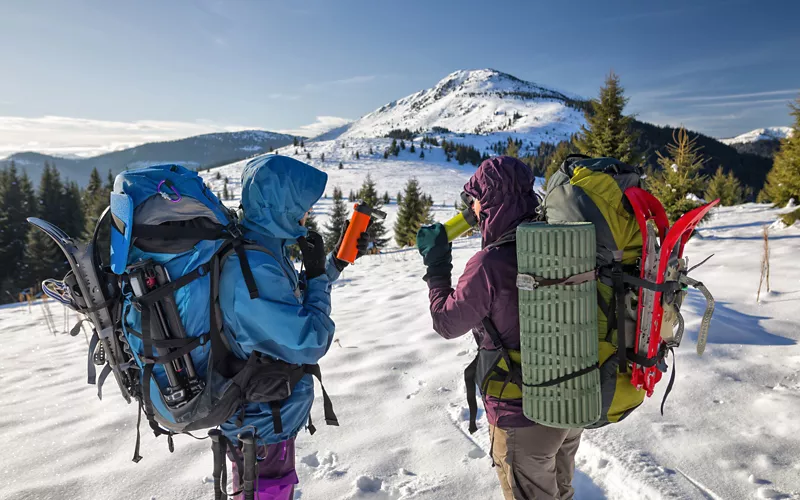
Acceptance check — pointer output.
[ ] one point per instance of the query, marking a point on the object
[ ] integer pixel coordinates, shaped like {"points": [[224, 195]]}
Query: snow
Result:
{"points": [[480, 104], [730, 430], [760, 134]]}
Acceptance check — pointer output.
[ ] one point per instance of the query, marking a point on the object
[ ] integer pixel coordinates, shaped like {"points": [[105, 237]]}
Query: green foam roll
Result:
{"points": [[558, 324]]}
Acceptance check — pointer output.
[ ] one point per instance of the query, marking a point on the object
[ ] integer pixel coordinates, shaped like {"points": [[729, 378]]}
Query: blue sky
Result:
{"points": [[721, 67]]}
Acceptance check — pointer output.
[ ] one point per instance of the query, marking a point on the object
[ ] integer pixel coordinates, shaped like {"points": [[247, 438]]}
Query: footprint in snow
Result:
{"points": [[324, 465]]}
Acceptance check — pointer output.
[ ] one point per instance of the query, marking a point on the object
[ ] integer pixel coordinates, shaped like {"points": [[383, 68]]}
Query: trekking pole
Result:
{"points": [[249, 472], [218, 448]]}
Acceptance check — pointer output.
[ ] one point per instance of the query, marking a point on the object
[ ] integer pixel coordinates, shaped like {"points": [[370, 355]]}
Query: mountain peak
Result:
{"points": [[481, 102], [760, 134]]}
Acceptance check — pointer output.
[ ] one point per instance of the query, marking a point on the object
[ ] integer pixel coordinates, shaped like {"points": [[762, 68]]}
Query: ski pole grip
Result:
{"points": [[362, 214], [249, 473], [219, 463]]}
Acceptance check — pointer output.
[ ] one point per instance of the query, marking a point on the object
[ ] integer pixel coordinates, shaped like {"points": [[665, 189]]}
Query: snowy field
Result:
{"points": [[731, 428]]}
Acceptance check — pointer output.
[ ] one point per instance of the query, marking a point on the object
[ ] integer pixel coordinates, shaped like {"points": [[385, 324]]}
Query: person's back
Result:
{"points": [[533, 461]]}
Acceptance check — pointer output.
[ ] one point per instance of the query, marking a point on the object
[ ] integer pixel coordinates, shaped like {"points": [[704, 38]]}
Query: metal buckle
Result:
{"points": [[527, 282]]}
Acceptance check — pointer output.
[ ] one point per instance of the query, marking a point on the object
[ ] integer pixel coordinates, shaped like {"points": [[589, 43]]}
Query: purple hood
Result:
{"points": [[504, 186]]}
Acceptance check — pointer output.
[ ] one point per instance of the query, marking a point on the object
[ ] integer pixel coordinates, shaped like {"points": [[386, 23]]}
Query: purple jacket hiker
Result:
{"points": [[504, 187]]}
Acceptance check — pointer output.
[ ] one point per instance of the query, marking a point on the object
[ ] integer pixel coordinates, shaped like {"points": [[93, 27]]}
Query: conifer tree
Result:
{"points": [[217, 177], [412, 214], [783, 181], [399, 197], [341, 166], [294, 141], [73, 219], [512, 148], [369, 195], [564, 149], [308, 156], [386, 154], [311, 222], [302, 143], [322, 157], [42, 257], [16, 204], [403, 145], [386, 198], [358, 156], [422, 155], [96, 197], [726, 187], [370, 150], [609, 132], [412, 149], [225, 194], [679, 183], [336, 221]]}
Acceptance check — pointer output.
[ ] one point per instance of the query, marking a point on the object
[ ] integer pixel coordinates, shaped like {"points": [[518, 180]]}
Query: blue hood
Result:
{"points": [[276, 192]]}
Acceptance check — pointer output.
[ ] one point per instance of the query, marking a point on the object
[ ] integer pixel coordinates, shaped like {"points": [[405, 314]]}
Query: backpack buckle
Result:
{"points": [[235, 231], [527, 282]]}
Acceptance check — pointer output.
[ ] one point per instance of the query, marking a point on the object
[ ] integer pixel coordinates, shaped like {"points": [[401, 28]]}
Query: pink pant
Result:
{"points": [[276, 472]]}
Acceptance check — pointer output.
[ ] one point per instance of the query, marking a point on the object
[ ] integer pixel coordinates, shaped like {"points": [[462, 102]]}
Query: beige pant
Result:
{"points": [[535, 463]]}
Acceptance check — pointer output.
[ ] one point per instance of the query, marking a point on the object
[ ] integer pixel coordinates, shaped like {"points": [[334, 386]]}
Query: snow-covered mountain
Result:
{"points": [[759, 134], [481, 102], [200, 151]]}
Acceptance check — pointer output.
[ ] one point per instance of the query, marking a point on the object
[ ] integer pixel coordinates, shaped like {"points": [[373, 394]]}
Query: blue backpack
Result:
{"points": [[170, 237]]}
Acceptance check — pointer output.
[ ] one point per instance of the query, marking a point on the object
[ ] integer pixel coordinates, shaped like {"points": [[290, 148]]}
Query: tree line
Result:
{"points": [[27, 255]]}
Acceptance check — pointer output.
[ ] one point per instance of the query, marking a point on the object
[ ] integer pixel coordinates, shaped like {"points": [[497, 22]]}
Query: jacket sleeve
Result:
{"points": [[456, 312], [281, 322], [330, 268]]}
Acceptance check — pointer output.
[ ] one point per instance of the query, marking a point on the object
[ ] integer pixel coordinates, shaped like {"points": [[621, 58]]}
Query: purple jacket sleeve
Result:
{"points": [[455, 312]]}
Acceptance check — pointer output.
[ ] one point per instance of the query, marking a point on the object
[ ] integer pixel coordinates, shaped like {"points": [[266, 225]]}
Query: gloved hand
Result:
{"points": [[362, 245], [436, 251], [313, 249]]}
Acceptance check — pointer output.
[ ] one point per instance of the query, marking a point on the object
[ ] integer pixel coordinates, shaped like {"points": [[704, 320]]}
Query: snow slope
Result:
{"points": [[759, 134], [730, 431], [479, 102]]}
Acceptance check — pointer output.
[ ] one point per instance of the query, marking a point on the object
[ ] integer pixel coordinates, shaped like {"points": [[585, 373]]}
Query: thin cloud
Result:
{"points": [[740, 103], [283, 97], [736, 96], [320, 126], [353, 80], [62, 135]]}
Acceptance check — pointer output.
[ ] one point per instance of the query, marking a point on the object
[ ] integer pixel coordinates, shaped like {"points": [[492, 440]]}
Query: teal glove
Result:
{"points": [[436, 251]]}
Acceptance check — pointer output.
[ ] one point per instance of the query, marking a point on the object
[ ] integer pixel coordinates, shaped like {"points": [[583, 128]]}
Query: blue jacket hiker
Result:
{"points": [[290, 318]]}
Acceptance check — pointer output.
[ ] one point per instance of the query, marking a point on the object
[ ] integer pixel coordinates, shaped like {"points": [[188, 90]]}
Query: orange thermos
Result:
{"points": [[362, 214]]}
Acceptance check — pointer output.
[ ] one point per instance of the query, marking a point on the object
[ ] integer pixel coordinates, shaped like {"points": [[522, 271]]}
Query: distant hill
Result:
{"points": [[761, 141], [751, 169], [200, 152]]}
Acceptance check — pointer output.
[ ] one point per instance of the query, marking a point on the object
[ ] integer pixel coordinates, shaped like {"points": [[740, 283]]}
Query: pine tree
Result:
{"points": [[564, 149], [16, 196], [270, 149], [783, 181], [73, 220], [322, 157], [308, 156], [311, 222], [339, 215], [358, 156], [726, 187], [96, 197], [217, 177], [294, 141], [42, 257], [386, 198], [422, 155], [341, 166], [609, 132], [370, 150], [679, 184], [386, 154], [353, 196], [412, 149], [302, 143], [403, 145], [225, 194], [512, 148], [412, 214], [399, 198], [369, 195]]}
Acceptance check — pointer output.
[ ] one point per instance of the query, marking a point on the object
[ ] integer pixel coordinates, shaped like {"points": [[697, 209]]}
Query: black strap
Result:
{"points": [[327, 404], [644, 360], [669, 286], [472, 400], [183, 346], [162, 291], [91, 370], [247, 273], [671, 381], [618, 278], [277, 422], [564, 378], [170, 232], [103, 376], [136, 456], [531, 281], [494, 334]]}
